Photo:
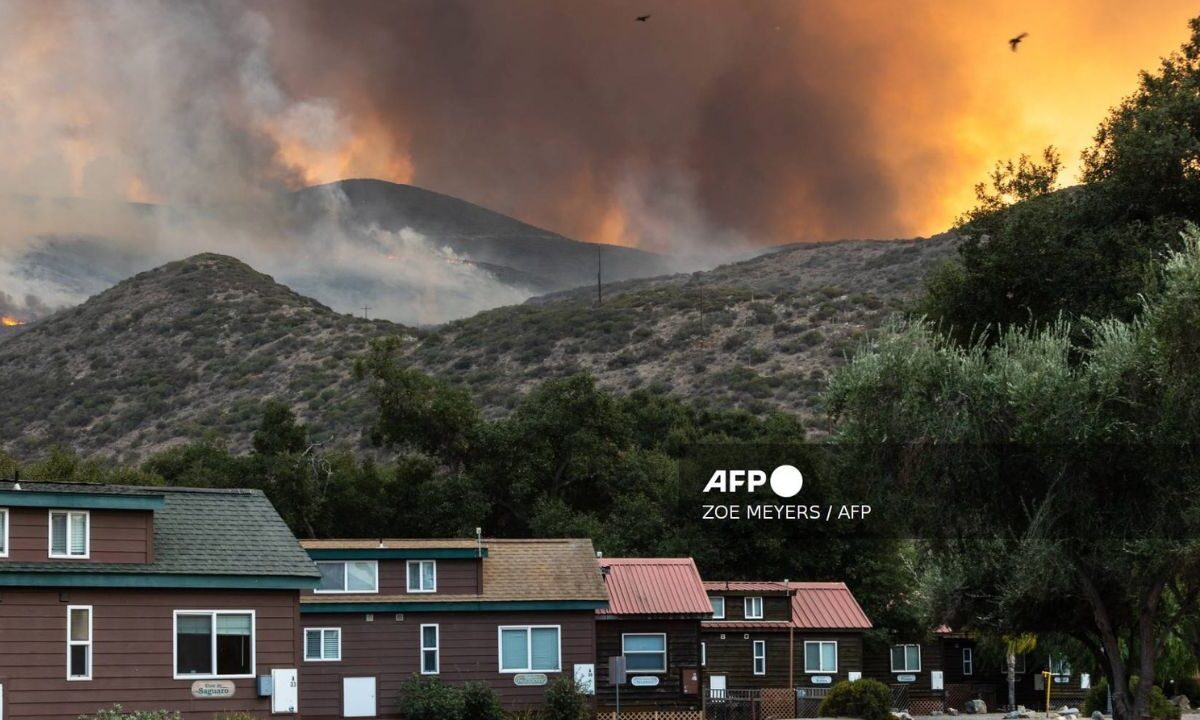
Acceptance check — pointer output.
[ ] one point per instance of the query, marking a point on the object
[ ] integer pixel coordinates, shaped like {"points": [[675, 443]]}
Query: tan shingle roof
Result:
{"points": [[390, 544]]}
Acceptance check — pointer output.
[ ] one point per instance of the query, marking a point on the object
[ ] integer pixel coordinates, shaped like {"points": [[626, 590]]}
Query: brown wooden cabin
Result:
{"points": [[781, 635], [653, 621], [516, 614], [150, 597]]}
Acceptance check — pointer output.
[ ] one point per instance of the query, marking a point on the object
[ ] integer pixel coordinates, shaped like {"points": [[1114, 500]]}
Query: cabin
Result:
{"points": [[515, 614], [805, 635], [653, 621], [151, 597], [915, 671]]}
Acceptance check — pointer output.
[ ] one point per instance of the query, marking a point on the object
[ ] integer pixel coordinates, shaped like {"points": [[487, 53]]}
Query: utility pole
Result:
{"points": [[599, 277], [366, 309]]}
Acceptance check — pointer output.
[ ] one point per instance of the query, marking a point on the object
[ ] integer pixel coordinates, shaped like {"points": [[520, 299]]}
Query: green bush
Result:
{"points": [[1160, 707], [430, 699], [480, 702], [564, 701], [116, 712], [866, 699]]}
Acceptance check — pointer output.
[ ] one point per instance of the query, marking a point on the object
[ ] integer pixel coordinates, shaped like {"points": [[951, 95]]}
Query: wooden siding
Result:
{"points": [[132, 650], [683, 655], [775, 607], [454, 577], [877, 664], [117, 536], [733, 657], [388, 649]]}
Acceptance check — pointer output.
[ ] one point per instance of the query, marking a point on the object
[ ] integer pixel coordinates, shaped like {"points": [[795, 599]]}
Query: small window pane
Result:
{"points": [[812, 657], [645, 643], [427, 578], [828, 657], [332, 645], [333, 576], [718, 605], [644, 661], [360, 576], [79, 624], [233, 624], [233, 645], [429, 664], [312, 644], [79, 660], [58, 534], [3, 531], [514, 650], [78, 533], [193, 644], [429, 636], [545, 649], [913, 653]]}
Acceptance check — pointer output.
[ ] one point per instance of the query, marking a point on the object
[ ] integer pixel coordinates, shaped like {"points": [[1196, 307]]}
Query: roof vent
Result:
{"points": [[16, 479]]}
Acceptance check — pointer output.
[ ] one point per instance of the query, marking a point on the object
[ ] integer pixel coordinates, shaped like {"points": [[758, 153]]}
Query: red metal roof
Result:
{"points": [[828, 605], [744, 586], [654, 586]]}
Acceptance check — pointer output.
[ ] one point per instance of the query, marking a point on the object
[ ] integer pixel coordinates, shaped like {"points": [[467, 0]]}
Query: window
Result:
{"points": [[79, 642], [760, 657], [214, 644], [349, 577], [1018, 664], [645, 652], [322, 644], [429, 650], [531, 648], [3, 532], [906, 658], [718, 606], [820, 656], [1059, 666], [69, 534], [422, 576], [968, 659], [754, 608]]}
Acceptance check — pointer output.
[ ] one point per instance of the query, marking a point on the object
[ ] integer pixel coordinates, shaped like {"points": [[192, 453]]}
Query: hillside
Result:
{"points": [[188, 348], [760, 334], [195, 346]]}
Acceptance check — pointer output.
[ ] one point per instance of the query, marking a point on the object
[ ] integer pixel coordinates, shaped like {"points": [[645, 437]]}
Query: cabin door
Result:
{"points": [[358, 697]]}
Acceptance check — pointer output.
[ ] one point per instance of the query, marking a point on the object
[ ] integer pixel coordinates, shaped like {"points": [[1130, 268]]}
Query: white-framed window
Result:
{"points": [[349, 576], [1018, 664], [70, 534], [422, 576], [212, 644], [530, 648], [3, 532], [718, 606], [703, 654], [760, 657], [1059, 666], [754, 608], [79, 642], [645, 652], [430, 650], [820, 656], [906, 658], [322, 644], [968, 661]]}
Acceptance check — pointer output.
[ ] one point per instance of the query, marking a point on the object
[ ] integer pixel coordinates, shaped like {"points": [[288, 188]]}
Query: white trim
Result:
{"points": [[408, 577], [640, 671], [968, 661], [322, 631], [528, 648], [346, 577], [703, 654], [87, 534], [213, 614], [74, 643], [4, 541], [714, 607], [746, 607], [756, 656], [436, 649], [820, 657], [905, 669]]}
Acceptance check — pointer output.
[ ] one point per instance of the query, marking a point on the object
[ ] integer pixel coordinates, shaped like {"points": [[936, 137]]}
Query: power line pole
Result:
{"points": [[599, 278], [366, 309]]}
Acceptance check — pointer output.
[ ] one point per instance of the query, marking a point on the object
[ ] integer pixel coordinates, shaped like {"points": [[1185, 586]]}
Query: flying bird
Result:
{"points": [[1014, 42], [643, 18]]}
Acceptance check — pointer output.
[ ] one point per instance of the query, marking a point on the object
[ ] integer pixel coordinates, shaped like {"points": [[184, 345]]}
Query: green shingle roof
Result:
{"points": [[202, 538]]}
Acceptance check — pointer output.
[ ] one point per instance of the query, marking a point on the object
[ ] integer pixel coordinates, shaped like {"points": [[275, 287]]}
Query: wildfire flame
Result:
{"points": [[10, 321]]}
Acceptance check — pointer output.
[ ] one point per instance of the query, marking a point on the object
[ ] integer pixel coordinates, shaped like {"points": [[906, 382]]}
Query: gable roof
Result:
{"points": [[654, 586], [202, 538], [815, 605], [514, 571]]}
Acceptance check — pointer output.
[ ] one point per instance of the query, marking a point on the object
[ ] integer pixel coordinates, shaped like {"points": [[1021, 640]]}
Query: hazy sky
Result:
{"points": [[713, 124]]}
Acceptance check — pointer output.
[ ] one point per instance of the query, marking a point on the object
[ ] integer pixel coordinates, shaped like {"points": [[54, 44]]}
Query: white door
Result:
{"points": [[358, 697], [716, 686], [1, 701]]}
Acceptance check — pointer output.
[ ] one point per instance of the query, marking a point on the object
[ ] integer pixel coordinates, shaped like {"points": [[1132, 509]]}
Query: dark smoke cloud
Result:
{"points": [[759, 118]]}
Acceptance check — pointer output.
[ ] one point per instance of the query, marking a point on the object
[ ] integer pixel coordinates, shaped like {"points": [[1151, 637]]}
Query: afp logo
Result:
{"points": [[786, 481]]}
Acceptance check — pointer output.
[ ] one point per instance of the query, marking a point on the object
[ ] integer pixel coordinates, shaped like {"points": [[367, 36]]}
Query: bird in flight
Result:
{"points": [[643, 18], [1014, 42]]}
